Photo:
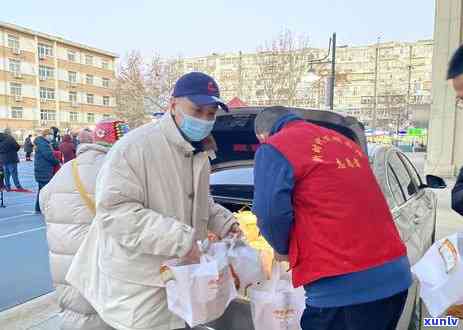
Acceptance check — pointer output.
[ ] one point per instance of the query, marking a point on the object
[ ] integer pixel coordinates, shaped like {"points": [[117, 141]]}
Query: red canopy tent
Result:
{"points": [[236, 103]]}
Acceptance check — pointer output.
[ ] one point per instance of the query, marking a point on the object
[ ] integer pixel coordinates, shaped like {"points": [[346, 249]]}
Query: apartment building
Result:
{"points": [[402, 78], [49, 81]]}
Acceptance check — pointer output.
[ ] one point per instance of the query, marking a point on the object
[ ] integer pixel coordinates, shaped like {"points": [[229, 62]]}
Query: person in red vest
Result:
{"points": [[319, 206]]}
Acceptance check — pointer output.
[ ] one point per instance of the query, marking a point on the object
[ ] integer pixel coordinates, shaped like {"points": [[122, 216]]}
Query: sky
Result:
{"points": [[191, 28]]}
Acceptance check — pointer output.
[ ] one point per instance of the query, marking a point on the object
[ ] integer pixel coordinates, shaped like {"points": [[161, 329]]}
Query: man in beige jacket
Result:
{"points": [[153, 204]]}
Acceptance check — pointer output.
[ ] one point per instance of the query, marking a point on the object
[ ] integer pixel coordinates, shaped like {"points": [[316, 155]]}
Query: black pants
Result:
{"points": [[378, 315], [37, 203], [28, 155]]}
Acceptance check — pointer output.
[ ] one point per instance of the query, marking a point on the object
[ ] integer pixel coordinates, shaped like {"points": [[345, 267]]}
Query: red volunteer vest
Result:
{"points": [[342, 223]]}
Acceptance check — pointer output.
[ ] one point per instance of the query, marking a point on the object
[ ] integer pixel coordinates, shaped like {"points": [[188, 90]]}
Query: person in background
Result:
{"points": [[153, 204], [44, 162], [455, 76], [75, 139], [319, 206], [67, 227], [56, 137], [68, 148], [9, 157], [59, 156], [28, 148]]}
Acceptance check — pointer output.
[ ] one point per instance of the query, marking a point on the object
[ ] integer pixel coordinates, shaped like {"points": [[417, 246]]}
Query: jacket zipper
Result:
{"points": [[192, 189]]}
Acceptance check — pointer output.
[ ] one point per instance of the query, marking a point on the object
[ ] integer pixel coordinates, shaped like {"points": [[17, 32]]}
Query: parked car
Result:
{"points": [[411, 202]]}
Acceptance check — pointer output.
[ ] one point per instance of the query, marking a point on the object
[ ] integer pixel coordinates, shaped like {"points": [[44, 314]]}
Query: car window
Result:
{"points": [[412, 170], [394, 186], [233, 176], [402, 186]]}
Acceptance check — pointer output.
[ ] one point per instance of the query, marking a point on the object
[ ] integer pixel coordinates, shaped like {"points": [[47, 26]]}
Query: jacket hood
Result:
{"points": [[85, 147], [283, 121], [67, 138], [41, 140]]}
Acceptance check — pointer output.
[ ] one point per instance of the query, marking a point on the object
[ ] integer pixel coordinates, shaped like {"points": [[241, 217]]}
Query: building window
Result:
{"points": [[47, 93], [15, 89], [89, 79], [47, 115], [90, 98], [46, 72], [13, 42], [90, 117], [72, 77], [71, 56], [74, 116], [15, 66], [106, 116], [17, 113], [105, 64], [106, 82], [73, 97], [89, 59], [45, 50], [106, 101]]}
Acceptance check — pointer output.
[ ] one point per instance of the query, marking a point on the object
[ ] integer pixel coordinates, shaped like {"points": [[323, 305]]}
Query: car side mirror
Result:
{"points": [[434, 182]]}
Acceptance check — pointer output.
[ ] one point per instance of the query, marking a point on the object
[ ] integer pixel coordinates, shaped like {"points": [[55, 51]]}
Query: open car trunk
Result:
{"points": [[234, 131], [232, 179]]}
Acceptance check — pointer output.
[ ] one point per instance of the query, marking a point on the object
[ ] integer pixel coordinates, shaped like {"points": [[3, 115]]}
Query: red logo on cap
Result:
{"points": [[211, 88]]}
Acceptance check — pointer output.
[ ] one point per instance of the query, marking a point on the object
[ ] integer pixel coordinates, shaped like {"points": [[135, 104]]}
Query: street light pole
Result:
{"points": [[329, 89], [333, 71], [410, 67], [375, 92]]}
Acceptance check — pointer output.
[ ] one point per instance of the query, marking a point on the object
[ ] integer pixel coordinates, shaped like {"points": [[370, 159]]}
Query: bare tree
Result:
{"points": [[143, 87], [161, 79], [281, 65], [130, 90]]}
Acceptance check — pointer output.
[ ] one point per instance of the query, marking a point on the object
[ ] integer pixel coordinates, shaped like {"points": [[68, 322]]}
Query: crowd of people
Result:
{"points": [[113, 218]]}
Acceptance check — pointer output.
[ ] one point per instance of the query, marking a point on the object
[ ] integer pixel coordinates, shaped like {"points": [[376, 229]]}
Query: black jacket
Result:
{"points": [[28, 146], [457, 194], [8, 149], [44, 161]]}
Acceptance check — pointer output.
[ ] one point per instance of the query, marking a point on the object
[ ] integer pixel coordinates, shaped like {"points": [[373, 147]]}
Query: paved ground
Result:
{"points": [[24, 270], [24, 259]]}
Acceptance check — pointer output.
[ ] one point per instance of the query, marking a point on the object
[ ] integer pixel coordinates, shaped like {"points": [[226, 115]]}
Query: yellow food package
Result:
{"points": [[248, 224], [266, 253]]}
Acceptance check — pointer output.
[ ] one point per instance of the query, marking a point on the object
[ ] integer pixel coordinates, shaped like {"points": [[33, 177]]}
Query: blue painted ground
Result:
{"points": [[24, 266]]}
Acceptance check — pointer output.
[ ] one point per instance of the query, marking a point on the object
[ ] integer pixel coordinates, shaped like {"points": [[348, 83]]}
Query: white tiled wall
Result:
{"points": [[3, 111], [26, 90], [63, 75], [28, 68], [27, 44]]}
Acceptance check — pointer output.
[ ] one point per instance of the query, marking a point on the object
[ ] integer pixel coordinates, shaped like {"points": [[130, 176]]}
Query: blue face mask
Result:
{"points": [[195, 129]]}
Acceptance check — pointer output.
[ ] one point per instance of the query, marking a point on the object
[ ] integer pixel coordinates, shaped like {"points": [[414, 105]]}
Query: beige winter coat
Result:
{"points": [[153, 202], [68, 221]]}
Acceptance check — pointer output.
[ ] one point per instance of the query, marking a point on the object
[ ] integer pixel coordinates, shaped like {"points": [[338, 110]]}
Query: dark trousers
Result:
{"points": [[11, 170], [378, 315], [37, 202], [28, 155]]}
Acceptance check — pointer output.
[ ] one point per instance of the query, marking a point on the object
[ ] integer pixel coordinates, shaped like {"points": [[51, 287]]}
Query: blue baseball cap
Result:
{"points": [[200, 89]]}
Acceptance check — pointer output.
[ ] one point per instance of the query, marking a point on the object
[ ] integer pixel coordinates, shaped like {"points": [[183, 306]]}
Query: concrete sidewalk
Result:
{"points": [[37, 314]]}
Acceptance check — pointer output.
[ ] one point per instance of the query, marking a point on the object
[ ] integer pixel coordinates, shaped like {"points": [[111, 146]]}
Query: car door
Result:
{"points": [[424, 216], [404, 192]]}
